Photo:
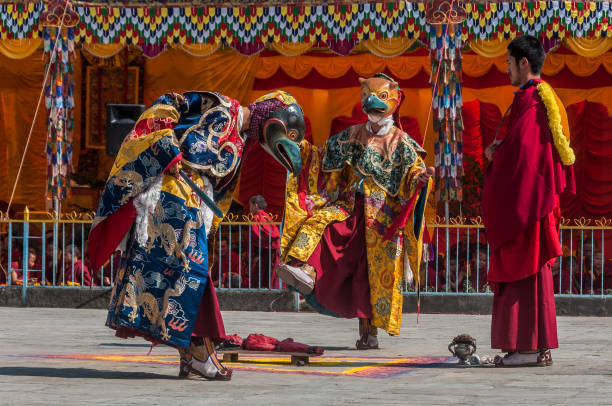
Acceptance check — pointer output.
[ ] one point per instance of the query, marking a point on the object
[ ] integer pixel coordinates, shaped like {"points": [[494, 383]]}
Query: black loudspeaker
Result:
{"points": [[120, 119]]}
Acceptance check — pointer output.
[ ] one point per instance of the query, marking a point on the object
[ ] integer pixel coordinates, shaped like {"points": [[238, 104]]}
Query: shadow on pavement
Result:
{"points": [[145, 345], [79, 373]]}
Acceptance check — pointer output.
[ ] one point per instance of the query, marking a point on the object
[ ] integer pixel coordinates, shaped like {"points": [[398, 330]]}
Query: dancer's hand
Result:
{"points": [[426, 174], [174, 170]]}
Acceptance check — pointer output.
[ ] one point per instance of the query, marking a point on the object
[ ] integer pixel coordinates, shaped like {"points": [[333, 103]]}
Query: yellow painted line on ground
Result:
{"points": [[378, 367]]}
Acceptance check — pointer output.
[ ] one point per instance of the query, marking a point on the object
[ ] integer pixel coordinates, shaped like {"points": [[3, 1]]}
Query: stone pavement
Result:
{"points": [[66, 356]]}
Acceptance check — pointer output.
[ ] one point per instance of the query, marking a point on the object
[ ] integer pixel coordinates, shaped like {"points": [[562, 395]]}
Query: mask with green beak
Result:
{"points": [[380, 96], [278, 123]]}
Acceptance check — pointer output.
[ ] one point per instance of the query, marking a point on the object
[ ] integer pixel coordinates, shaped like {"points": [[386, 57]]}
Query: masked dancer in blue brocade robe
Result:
{"points": [[183, 149]]}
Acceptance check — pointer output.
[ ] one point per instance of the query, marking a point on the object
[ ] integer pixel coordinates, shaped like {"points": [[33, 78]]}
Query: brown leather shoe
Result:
{"points": [[367, 342], [545, 357], [184, 368]]}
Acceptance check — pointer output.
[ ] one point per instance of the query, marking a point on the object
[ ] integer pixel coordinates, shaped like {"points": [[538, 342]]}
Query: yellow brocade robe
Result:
{"points": [[384, 169]]}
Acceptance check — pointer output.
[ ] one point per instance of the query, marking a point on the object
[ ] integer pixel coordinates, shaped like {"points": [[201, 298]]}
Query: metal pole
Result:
{"points": [[26, 255], [447, 258]]}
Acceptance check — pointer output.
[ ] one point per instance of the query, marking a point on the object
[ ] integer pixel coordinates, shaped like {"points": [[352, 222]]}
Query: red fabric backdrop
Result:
{"points": [[591, 138], [480, 121]]}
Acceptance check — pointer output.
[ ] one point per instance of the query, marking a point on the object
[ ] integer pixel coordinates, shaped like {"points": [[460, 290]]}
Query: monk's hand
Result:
{"points": [[426, 174], [490, 150]]}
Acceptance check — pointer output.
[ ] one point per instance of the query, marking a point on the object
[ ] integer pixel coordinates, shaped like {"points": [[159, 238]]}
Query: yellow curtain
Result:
{"points": [[402, 67], [291, 48], [103, 50], [578, 65], [476, 65], [390, 47], [589, 48], [406, 67], [108, 50], [199, 50], [19, 48], [490, 49]]}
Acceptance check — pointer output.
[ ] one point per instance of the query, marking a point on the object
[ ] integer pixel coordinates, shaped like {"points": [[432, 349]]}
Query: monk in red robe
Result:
{"points": [[227, 267], [529, 168], [265, 244]]}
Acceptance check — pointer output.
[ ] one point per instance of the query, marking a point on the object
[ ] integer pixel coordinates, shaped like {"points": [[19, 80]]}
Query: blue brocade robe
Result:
{"points": [[164, 268]]}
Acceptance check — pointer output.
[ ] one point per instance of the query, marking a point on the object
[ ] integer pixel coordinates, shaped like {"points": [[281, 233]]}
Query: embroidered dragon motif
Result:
{"points": [[137, 297], [167, 236]]}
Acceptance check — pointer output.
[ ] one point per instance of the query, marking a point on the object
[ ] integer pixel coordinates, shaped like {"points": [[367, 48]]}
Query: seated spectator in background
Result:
{"points": [[588, 249], [3, 259], [16, 260], [103, 277], [34, 269], [77, 275], [566, 281], [51, 267], [432, 275], [265, 243], [458, 270], [221, 268], [601, 273], [478, 267]]}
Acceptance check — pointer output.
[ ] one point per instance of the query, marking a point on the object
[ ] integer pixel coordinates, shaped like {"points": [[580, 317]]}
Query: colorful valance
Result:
{"points": [[340, 27]]}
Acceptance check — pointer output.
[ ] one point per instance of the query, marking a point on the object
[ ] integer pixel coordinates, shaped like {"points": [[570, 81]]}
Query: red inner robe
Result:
{"points": [[342, 284]]}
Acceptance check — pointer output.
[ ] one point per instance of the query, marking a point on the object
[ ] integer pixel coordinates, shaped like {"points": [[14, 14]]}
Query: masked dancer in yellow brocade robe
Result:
{"points": [[354, 217]]}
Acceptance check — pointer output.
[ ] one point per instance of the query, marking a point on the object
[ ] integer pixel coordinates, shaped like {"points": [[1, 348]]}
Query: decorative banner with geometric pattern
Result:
{"points": [[447, 102], [59, 102], [338, 27]]}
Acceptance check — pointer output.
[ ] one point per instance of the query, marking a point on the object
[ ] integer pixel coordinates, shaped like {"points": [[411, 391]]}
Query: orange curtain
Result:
{"points": [[225, 72], [20, 85], [176, 70], [21, 82]]}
